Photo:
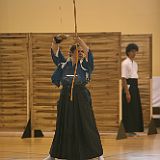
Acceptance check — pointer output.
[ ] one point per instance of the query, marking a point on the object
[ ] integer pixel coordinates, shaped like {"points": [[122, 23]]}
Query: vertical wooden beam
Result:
{"points": [[1, 90], [150, 56], [30, 84], [151, 109], [27, 79]]}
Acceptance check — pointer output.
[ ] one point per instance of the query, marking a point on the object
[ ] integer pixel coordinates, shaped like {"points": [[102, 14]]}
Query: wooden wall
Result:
{"points": [[13, 81], [144, 60], [104, 85], [44, 94], [26, 67]]}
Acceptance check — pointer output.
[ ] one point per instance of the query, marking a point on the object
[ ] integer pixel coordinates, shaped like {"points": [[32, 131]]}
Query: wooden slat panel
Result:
{"points": [[44, 94], [104, 86], [144, 60], [13, 90]]}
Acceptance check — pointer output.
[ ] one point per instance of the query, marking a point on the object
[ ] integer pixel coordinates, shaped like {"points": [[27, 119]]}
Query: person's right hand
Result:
{"points": [[52, 45], [128, 97]]}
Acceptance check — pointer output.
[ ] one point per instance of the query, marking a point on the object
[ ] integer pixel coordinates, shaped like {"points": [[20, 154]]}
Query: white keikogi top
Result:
{"points": [[129, 69]]}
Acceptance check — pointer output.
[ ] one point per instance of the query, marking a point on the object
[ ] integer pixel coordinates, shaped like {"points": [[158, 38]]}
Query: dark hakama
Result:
{"points": [[76, 136], [132, 112]]}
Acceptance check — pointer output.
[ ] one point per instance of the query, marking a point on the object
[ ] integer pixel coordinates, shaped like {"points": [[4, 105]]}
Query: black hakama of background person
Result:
{"points": [[132, 116]]}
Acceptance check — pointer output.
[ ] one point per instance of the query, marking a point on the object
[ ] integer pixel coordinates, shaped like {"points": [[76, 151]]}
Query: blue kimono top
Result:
{"points": [[65, 70]]}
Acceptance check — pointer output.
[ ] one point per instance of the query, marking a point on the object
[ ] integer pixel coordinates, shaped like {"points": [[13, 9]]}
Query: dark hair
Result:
{"points": [[73, 48], [131, 47]]}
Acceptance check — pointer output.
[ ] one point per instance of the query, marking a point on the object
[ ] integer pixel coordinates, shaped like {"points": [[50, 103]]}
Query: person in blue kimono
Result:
{"points": [[76, 136]]}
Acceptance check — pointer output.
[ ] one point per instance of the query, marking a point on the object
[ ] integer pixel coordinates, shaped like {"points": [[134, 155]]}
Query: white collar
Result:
{"points": [[132, 61]]}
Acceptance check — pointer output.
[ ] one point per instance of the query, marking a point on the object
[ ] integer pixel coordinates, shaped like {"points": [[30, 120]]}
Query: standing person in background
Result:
{"points": [[76, 136], [131, 102]]}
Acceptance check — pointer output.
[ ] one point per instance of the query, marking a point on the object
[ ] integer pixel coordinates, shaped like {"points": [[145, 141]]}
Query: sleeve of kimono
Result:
{"points": [[57, 75], [57, 58], [88, 64]]}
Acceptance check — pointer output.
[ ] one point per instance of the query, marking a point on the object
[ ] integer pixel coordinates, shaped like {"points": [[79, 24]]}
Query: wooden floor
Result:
{"points": [[138, 148]]}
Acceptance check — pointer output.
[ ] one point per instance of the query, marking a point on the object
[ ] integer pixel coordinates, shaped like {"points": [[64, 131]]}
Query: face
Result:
{"points": [[80, 53], [132, 54]]}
